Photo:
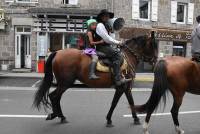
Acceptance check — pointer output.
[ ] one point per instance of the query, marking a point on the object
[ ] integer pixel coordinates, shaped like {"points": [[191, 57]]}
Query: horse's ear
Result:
{"points": [[152, 35], [154, 43]]}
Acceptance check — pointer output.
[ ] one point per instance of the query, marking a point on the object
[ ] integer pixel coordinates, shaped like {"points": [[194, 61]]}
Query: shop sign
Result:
{"points": [[173, 35]]}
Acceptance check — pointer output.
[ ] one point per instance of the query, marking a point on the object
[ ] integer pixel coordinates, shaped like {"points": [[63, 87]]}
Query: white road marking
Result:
{"points": [[34, 85], [162, 114], [72, 89], [21, 116], [126, 116]]}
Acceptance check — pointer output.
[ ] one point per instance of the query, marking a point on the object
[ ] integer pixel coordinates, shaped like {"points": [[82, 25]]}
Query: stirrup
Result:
{"points": [[93, 76], [122, 81]]}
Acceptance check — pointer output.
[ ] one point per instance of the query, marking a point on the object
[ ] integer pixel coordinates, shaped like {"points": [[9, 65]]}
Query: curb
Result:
{"points": [[143, 78], [2, 88]]}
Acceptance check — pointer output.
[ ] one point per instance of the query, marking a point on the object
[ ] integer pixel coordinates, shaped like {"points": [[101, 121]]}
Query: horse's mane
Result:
{"points": [[139, 40]]}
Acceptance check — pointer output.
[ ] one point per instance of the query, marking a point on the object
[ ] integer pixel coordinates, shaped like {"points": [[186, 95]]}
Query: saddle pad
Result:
{"points": [[103, 68]]}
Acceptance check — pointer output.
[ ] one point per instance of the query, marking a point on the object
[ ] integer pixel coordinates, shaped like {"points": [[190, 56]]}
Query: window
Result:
{"points": [[181, 12], [24, 29], [22, 1], [9, 0], [71, 2], [65, 1], [179, 49], [144, 9]]}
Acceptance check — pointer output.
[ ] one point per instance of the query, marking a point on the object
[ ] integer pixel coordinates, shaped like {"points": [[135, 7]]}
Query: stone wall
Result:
{"points": [[7, 51], [124, 9]]}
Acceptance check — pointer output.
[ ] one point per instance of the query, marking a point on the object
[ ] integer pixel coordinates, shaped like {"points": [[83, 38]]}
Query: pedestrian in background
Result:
{"points": [[196, 41]]}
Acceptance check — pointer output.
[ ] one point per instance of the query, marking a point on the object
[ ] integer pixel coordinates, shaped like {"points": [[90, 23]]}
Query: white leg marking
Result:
{"points": [[145, 128], [179, 130]]}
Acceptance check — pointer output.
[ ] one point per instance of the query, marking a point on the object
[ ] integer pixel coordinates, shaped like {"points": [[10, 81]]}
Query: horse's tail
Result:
{"points": [[41, 95], [160, 86]]}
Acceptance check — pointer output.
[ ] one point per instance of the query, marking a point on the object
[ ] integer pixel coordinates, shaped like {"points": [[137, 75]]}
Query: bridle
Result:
{"points": [[139, 56]]}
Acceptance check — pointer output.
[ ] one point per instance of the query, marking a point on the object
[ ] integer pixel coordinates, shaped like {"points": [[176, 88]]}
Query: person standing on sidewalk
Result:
{"points": [[196, 41]]}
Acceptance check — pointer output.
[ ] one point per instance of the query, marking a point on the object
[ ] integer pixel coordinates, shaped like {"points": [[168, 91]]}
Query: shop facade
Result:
{"points": [[172, 21], [29, 28], [57, 29]]}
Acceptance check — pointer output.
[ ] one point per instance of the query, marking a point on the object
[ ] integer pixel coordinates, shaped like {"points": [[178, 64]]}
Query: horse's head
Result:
{"points": [[143, 47]]}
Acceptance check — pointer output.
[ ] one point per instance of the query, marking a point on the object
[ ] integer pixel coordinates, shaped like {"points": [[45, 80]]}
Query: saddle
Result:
{"points": [[104, 64]]}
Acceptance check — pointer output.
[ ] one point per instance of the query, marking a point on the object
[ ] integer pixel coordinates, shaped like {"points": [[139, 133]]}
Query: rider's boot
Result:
{"points": [[92, 70], [117, 75]]}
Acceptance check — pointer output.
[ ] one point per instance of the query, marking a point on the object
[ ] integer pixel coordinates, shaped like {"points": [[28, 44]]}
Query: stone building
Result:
{"points": [[28, 28], [172, 21]]}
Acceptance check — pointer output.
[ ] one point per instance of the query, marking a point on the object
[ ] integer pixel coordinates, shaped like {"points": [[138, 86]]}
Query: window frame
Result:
{"points": [[64, 2], [185, 12], [17, 1], [69, 2], [149, 11]]}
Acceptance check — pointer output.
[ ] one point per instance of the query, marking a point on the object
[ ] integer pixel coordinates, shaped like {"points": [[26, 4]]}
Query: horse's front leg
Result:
{"points": [[146, 123], [132, 105], [117, 96]]}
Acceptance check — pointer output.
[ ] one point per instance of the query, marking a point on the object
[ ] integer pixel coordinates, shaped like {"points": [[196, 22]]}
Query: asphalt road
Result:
{"points": [[86, 110]]}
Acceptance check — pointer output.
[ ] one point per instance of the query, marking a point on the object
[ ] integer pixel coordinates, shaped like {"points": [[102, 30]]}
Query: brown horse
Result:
{"points": [[71, 64], [178, 75]]}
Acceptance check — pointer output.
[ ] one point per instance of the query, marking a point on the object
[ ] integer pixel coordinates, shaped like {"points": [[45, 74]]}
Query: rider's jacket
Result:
{"points": [[102, 32]]}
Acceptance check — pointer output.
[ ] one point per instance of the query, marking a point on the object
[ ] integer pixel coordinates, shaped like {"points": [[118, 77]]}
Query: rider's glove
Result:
{"points": [[121, 43]]}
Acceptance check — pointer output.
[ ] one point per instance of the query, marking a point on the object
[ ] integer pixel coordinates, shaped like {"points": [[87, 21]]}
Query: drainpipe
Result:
{"points": [[112, 5]]}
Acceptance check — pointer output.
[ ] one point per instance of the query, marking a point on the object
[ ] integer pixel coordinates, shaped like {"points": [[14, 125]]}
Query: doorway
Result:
{"points": [[23, 52]]}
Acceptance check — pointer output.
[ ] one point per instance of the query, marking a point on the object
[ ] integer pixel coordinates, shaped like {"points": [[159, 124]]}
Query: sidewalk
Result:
{"points": [[29, 75], [146, 77]]}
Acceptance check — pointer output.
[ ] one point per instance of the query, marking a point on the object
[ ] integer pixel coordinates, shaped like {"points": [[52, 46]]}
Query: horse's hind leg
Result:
{"points": [[131, 103], [174, 111], [117, 96], [55, 98], [53, 105]]}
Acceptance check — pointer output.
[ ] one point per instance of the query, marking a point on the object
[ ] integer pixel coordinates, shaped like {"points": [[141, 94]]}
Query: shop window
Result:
{"points": [[179, 49], [144, 7], [56, 41], [75, 41]]}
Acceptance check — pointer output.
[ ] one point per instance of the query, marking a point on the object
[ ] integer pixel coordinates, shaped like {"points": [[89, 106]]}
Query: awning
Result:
{"points": [[64, 11]]}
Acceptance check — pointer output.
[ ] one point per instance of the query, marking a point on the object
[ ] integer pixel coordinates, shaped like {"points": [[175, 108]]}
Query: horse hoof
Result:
{"points": [[179, 130], [51, 117], [146, 132], [63, 121], [109, 125], [137, 122]]}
